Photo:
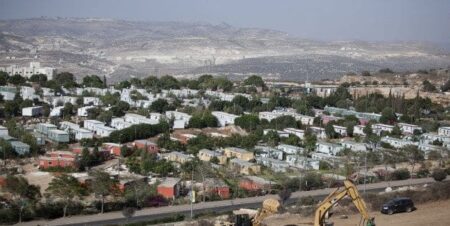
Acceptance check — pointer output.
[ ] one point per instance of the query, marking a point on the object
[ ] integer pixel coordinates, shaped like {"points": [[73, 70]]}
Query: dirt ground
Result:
{"points": [[435, 213]]}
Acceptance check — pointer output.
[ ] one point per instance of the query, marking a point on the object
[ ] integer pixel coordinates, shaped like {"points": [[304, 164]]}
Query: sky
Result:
{"points": [[329, 20]]}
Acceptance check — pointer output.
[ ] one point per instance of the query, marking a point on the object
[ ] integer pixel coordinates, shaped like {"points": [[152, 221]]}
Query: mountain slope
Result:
{"points": [[119, 49]]}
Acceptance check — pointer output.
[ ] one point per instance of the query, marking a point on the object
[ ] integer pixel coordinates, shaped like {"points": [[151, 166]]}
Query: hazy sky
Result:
{"points": [[375, 20]]}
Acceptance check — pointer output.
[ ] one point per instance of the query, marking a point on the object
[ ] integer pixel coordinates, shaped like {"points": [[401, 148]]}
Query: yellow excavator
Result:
{"points": [[269, 207], [349, 190], [272, 206]]}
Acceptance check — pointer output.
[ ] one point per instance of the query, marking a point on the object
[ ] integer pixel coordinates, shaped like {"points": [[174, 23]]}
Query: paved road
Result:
{"points": [[115, 218]]}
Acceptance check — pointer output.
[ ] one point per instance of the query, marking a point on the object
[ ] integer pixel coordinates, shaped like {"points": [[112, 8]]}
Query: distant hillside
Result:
{"points": [[119, 49]]}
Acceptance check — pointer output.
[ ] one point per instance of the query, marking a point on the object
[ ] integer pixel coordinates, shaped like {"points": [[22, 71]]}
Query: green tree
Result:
{"points": [[310, 140], [254, 80], [67, 188], [439, 175], [93, 81], [23, 193], [65, 79], [330, 132], [102, 185], [3, 78], [159, 105], [428, 87], [17, 80], [272, 138], [396, 132], [414, 155], [39, 78], [248, 122]]}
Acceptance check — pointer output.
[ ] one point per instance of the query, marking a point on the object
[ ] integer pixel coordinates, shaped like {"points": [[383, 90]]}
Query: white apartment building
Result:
{"points": [[34, 68], [32, 111], [397, 143], [95, 101], [354, 146], [83, 111], [297, 132], [139, 119], [224, 118], [92, 124], [119, 123], [104, 131], [379, 128], [359, 130], [341, 130], [444, 131], [328, 148], [290, 149], [409, 128]]}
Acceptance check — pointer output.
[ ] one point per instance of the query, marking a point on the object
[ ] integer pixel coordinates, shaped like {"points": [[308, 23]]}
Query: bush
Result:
{"points": [[422, 173], [306, 201], [439, 175], [400, 174]]}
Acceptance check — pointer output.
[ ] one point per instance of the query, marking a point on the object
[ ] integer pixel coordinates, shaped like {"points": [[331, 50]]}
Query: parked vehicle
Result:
{"points": [[398, 205]]}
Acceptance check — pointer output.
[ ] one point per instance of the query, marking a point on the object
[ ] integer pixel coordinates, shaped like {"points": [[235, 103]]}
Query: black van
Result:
{"points": [[398, 205]]}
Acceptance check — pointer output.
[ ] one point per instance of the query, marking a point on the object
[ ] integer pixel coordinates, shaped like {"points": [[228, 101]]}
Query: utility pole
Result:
{"points": [[192, 194], [365, 172]]}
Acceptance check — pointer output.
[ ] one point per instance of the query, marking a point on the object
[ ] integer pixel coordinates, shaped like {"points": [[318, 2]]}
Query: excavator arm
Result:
{"points": [[349, 190], [269, 207]]}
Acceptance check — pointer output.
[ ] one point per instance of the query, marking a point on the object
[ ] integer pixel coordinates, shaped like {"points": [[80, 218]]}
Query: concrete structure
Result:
{"points": [[274, 164], [176, 156], [380, 128], [291, 149], [409, 128], [341, 130], [43, 128], [3, 131], [397, 143], [254, 183], [444, 131], [58, 136], [34, 68], [224, 118], [146, 145], [104, 131], [58, 159], [302, 162], [359, 130], [119, 123], [83, 111], [244, 167], [328, 148], [169, 188], [297, 132], [233, 152], [92, 124], [20, 148], [354, 146], [32, 111], [206, 155]]}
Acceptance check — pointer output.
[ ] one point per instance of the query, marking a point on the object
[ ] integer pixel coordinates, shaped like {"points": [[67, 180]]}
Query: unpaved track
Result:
{"points": [[432, 214]]}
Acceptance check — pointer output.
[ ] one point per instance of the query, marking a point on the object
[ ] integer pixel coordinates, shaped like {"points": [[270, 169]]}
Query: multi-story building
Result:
{"points": [[34, 68]]}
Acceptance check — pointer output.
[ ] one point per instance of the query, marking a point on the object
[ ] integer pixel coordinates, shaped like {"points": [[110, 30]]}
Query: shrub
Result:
{"points": [[447, 170], [422, 173], [400, 174], [439, 175], [306, 201]]}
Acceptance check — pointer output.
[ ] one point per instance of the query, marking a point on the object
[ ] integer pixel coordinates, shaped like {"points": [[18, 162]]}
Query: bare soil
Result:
{"points": [[434, 213]]}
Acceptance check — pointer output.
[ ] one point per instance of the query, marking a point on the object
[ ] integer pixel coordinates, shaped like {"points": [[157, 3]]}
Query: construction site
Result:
{"points": [[345, 206]]}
